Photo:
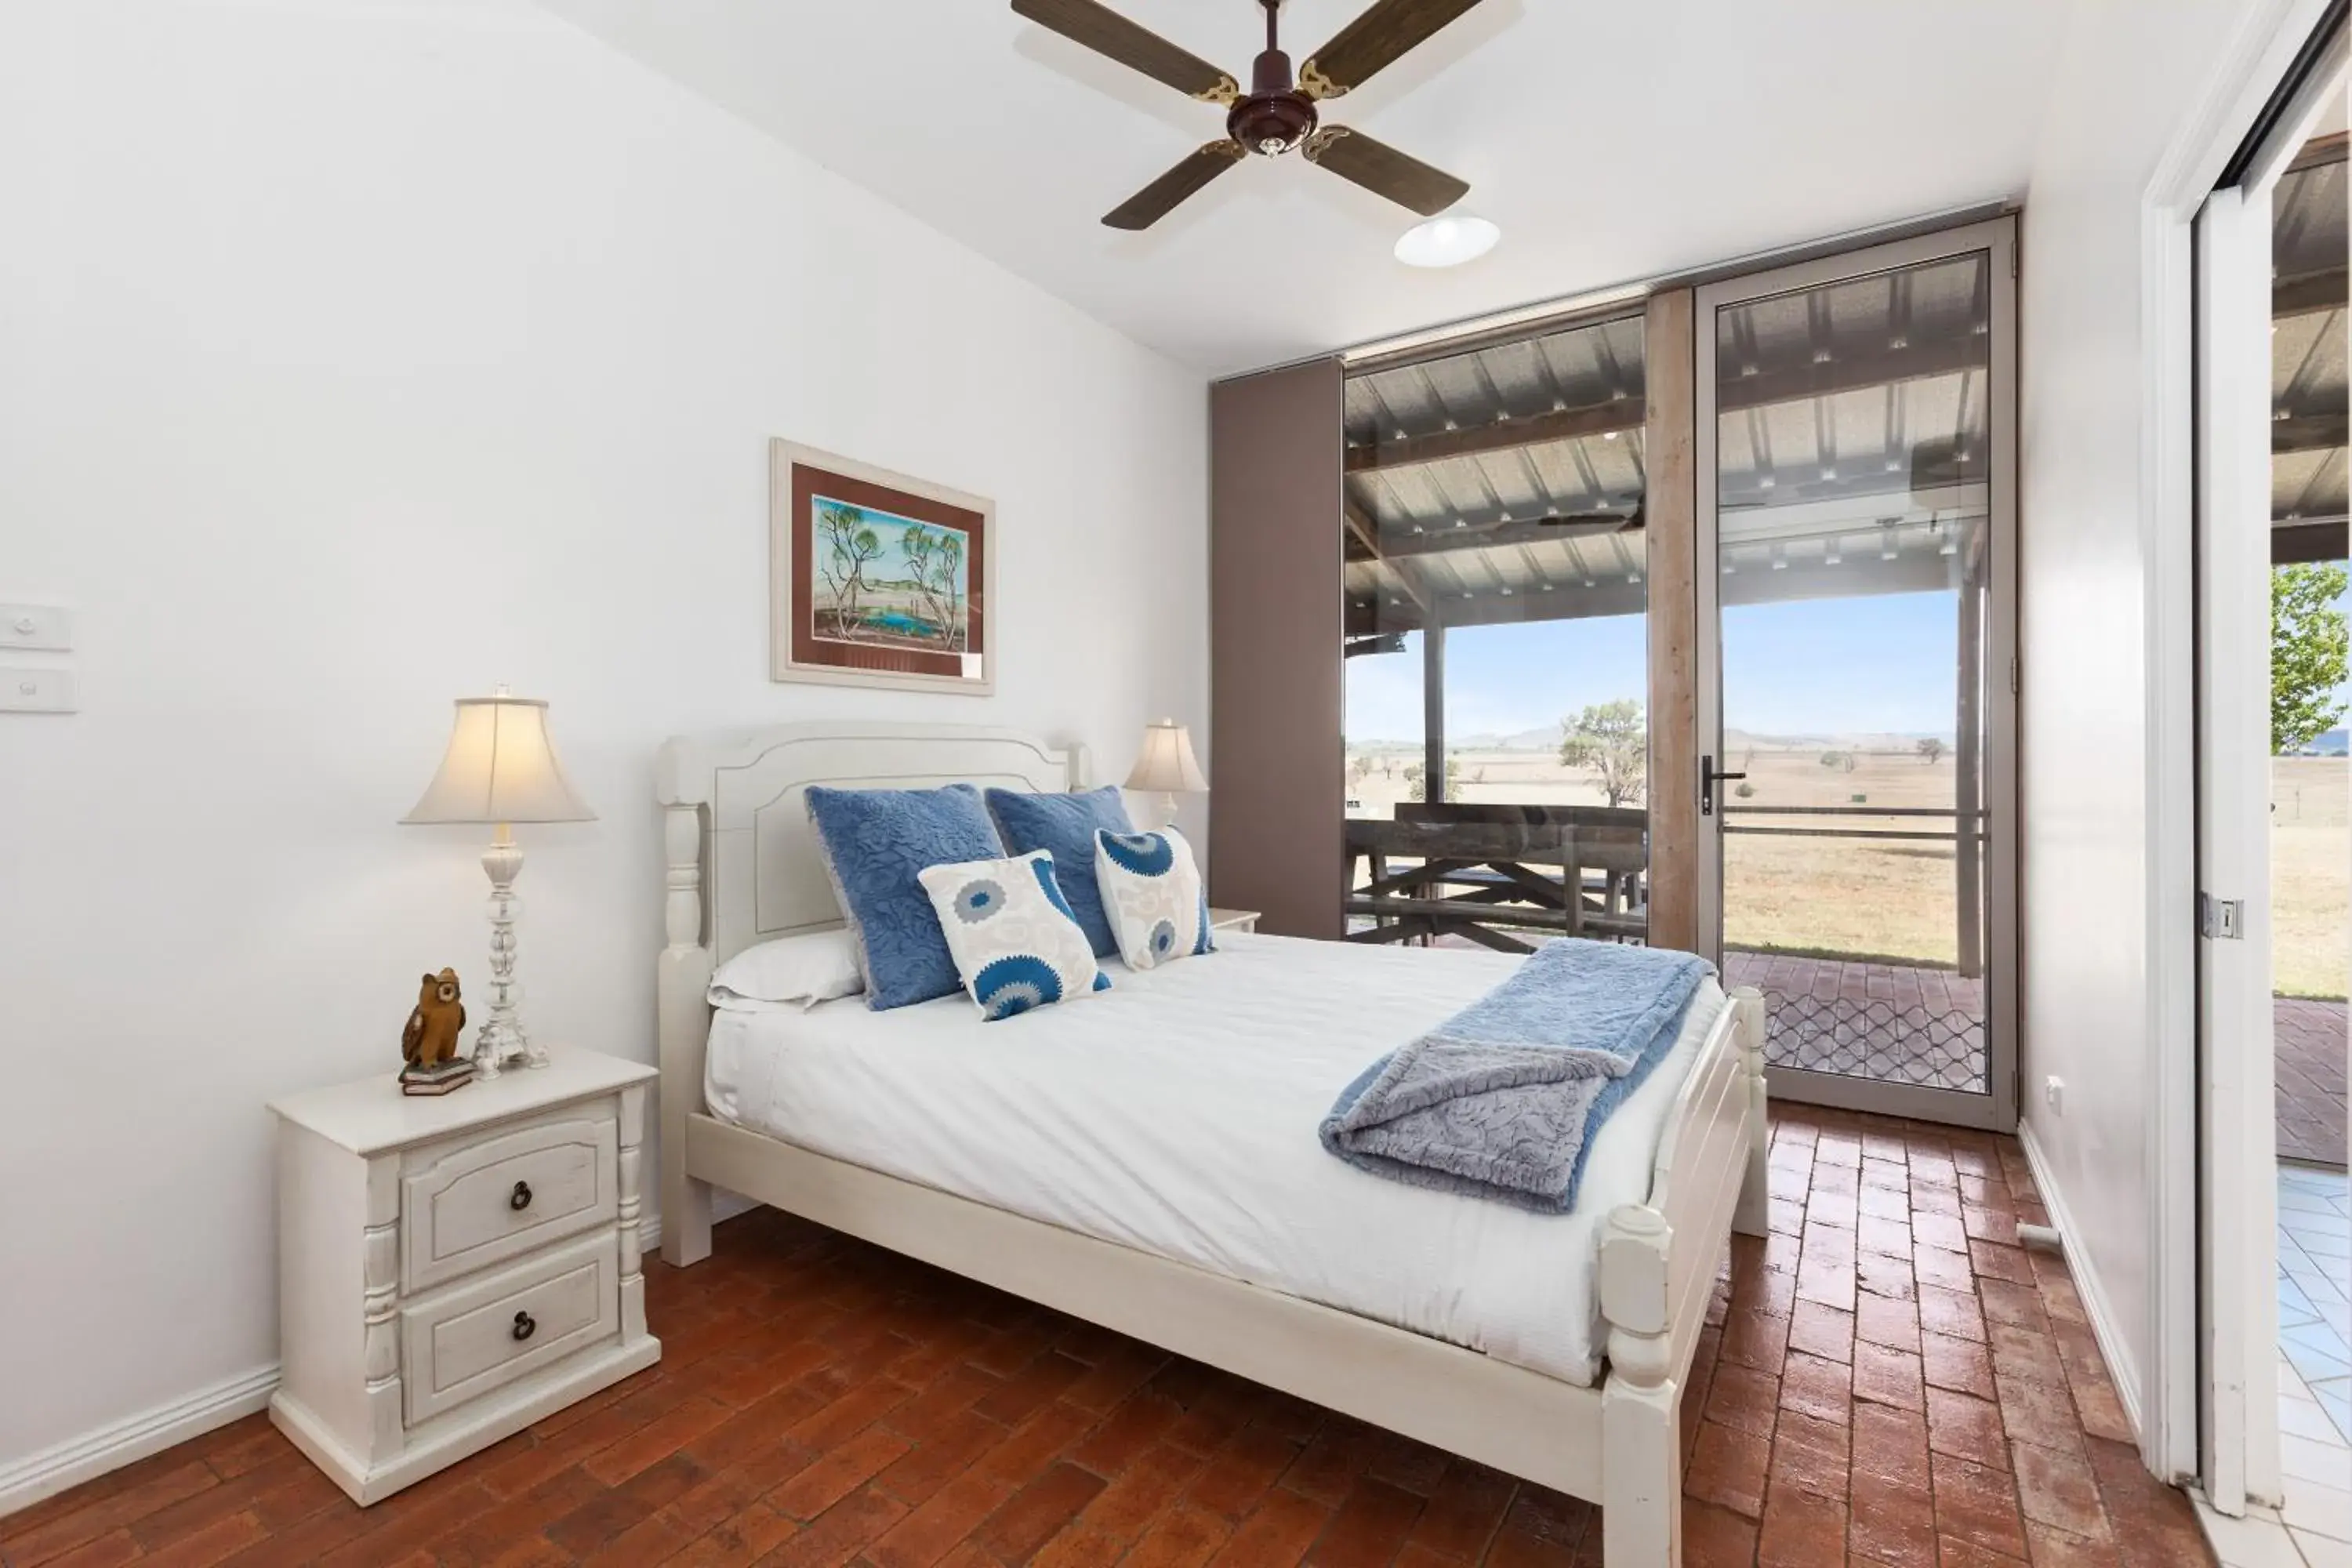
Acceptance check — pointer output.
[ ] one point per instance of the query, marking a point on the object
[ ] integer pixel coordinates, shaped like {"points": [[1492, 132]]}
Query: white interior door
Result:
{"points": [[2239, 1202]]}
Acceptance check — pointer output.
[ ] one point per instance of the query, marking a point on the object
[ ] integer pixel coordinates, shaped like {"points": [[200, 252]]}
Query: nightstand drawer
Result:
{"points": [[467, 1206], [468, 1340]]}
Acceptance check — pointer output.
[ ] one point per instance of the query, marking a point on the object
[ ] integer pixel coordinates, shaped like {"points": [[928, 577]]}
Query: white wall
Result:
{"points": [[2130, 76], [357, 354]]}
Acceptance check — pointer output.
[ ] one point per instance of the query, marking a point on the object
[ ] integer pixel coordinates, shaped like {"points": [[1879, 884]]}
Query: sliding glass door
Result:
{"points": [[1856, 587]]}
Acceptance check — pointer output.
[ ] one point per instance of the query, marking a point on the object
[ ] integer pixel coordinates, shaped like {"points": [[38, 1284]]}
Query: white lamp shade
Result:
{"points": [[500, 768], [1166, 765]]}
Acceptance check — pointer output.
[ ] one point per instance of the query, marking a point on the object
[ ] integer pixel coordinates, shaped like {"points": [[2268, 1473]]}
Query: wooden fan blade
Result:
{"points": [[1107, 33], [1383, 171], [1374, 41], [1172, 189]]}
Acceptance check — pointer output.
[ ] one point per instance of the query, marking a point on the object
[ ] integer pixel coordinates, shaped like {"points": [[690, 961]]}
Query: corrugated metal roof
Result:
{"points": [[1853, 441], [2308, 385]]}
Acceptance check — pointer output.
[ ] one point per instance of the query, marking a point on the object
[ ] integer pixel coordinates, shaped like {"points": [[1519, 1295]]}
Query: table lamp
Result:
{"points": [[500, 769], [1166, 765]]}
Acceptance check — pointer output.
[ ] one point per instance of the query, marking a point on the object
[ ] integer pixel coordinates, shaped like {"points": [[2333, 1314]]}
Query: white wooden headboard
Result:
{"points": [[736, 811], [742, 859]]}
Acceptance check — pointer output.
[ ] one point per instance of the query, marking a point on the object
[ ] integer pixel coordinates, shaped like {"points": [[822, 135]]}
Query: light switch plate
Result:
{"points": [[44, 627], [36, 691]]}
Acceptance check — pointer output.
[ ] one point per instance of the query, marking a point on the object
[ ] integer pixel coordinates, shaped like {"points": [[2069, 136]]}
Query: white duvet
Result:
{"points": [[1176, 1113]]}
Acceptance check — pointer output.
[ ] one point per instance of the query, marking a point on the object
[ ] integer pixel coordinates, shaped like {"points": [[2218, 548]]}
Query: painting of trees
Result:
{"points": [[847, 545], [934, 558]]}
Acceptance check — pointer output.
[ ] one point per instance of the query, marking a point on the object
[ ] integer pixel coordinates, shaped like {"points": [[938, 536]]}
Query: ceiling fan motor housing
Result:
{"points": [[1275, 117]]}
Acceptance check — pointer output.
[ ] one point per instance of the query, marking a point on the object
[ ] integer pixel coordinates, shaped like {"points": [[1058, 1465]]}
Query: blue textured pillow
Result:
{"points": [[877, 843], [1065, 826]]}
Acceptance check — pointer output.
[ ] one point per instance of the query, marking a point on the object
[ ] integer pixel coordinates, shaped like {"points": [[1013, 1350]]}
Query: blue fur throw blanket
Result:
{"points": [[1502, 1101]]}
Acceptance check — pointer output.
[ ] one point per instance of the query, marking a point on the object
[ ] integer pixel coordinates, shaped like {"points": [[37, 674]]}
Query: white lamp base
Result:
{"points": [[501, 1042]]}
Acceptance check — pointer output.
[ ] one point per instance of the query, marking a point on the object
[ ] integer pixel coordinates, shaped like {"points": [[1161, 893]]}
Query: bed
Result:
{"points": [[1214, 1225]]}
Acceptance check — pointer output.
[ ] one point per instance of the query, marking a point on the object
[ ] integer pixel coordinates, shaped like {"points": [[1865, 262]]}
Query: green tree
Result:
{"points": [[849, 547], [2309, 640], [1614, 740], [1416, 780]]}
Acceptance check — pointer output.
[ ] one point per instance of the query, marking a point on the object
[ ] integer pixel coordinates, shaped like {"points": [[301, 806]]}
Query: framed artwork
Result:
{"points": [[878, 579]]}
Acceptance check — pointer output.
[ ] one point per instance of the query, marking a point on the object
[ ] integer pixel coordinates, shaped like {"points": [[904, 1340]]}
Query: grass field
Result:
{"points": [[1897, 899], [2311, 875]]}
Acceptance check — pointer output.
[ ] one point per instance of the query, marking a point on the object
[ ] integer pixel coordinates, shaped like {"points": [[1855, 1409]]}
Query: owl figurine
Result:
{"points": [[429, 1043]]}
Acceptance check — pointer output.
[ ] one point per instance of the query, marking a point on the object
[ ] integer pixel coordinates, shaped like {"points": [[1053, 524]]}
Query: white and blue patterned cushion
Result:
{"points": [[874, 841], [1015, 942], [1152, 890]]}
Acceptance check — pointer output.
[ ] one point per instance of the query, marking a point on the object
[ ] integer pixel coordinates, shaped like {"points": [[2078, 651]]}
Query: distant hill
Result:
{"points": [[1547, 738], [2331, 744], [1735, 741]]}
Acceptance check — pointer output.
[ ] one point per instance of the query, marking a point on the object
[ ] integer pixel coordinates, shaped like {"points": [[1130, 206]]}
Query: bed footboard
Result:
{"points": [[1659, 1262]]}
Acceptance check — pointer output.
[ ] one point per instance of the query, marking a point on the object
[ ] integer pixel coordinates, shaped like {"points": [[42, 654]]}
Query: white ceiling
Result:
{"points": [[1612, 140]]}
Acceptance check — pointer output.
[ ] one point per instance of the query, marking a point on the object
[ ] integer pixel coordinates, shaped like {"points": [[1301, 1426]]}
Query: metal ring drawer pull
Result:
{"points": [[519, 1199], [525, 1325]]}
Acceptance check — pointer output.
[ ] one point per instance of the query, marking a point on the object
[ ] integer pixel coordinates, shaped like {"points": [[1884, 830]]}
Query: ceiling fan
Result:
{"points": [[1277, 114]]}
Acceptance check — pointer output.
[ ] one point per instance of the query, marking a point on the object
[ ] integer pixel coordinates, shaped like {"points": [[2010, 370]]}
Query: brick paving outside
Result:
{"points": [[2310, 1079], [1886, 1380], [1889, 1023]]}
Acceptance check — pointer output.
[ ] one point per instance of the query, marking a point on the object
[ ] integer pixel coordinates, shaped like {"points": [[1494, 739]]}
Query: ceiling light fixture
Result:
{"points": [[1447, 241]]}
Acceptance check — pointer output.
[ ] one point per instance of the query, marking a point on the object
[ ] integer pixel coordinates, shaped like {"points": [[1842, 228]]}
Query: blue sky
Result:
{"points": [[1879, 664]]}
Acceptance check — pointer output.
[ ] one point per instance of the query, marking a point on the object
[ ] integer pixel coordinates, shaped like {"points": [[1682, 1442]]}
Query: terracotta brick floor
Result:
{"points": [[1888, 1379]]}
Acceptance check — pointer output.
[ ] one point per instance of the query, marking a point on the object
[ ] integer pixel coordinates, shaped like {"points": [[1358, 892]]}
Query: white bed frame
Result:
{"points": [[744, 869]]}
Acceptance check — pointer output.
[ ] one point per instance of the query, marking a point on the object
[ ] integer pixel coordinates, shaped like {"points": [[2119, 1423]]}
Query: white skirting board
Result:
{"points": [[2122, 1370], [27, 1480]]}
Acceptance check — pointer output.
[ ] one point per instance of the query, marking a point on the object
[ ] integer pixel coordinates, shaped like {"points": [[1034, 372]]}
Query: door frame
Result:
{"points": [[2174, 1383], [2238, 1307], [2238, 1315], [1997, 1108]]}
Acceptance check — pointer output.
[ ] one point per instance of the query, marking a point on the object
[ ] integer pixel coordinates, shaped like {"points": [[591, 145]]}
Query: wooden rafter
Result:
{"points": [[2308, 293], [1530, 530], [2307, 432], [1560, 425], [1363, 536]]}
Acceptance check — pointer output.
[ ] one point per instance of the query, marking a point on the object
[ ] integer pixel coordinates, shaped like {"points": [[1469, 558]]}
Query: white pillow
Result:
{"points": [[1014, 941], [1152, 890], [808, 970]]}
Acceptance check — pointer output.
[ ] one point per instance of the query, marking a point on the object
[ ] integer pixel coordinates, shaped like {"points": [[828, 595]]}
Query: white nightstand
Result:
{"points": [[492, 1236], [1232, 919]]}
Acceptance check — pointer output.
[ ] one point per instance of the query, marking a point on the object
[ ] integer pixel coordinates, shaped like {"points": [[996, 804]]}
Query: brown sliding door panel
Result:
{"points": [[1673, 502], [1275, 758]]}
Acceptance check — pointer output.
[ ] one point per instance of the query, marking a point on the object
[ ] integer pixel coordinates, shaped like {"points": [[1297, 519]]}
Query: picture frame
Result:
{"points": [[878, 579]]}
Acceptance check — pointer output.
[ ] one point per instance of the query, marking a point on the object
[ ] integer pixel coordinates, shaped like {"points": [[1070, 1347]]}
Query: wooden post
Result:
{"points": [[1670, 503], [681, 987], [1968, 794], [1640, 1405], [1432, 710], [1753, 1217]]}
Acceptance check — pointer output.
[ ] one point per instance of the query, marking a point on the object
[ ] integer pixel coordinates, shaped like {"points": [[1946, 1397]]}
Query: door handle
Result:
{"points": [[1708, 779]]}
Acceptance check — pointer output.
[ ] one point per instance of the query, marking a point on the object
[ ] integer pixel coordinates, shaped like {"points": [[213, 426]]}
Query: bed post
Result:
{"points": [[1754, 1215], [682, 984], [1641, 1425]]}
